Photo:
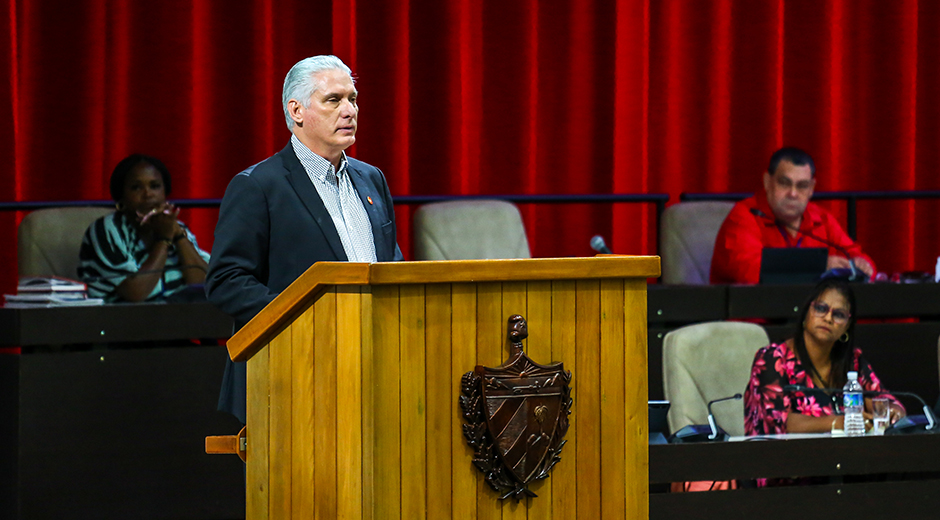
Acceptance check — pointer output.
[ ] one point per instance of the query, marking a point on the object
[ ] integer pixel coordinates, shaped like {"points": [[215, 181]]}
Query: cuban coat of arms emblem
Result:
{"points": [[516, 417]]}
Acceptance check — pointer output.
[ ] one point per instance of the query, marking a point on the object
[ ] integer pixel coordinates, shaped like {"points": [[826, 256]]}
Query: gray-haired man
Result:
{"points": [[305, 204]]}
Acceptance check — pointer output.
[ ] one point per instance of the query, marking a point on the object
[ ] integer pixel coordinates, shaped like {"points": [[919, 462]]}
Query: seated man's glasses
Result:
{"points": [[838, 315], [786, 184]]}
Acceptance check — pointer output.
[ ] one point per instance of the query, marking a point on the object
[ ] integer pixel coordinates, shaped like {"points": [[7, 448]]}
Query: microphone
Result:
{"points": [[703, 432], [598, 244], [855, 275], [711, 418], [912, 423], [907, 424]]}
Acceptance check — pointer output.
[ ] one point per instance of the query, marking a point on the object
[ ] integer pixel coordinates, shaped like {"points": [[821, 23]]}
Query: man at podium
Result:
{"points": [[309, 202]]}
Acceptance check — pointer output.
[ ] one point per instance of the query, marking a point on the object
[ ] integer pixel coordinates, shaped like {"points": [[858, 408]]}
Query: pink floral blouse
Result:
{"points": [[766, 405]]}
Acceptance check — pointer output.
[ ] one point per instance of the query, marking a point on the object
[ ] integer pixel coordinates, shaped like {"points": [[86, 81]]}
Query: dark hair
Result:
{"points": [[841, 354], [792, 155], [127, 164]]}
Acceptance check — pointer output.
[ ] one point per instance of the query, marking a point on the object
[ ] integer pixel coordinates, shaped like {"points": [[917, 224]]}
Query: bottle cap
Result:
{"points": [[853, 376]]}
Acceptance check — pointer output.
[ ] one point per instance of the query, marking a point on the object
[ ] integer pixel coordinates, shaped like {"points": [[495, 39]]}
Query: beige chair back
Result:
{"points": [[469, 230], [709, 361], [687, 240], [49, 240]]}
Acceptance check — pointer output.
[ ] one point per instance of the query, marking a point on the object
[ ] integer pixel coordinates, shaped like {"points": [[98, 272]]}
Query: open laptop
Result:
{"points": [[659, 426], [789, 265]]}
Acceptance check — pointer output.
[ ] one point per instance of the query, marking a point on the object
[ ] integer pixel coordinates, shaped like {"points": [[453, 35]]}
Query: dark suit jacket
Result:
{"points": [[272, 227]]}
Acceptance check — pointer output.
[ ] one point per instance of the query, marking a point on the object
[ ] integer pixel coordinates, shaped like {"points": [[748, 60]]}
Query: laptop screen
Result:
{"points": [[659, 426], [658, 411], [787, 265]]}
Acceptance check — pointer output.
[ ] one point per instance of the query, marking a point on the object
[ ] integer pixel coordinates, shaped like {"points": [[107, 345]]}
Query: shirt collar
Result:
{"points": [[316, 166]]}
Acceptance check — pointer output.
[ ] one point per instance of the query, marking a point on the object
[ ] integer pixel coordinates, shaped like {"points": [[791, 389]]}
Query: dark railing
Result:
{"points": [[659, 199], [851, 199], [30, 206]]}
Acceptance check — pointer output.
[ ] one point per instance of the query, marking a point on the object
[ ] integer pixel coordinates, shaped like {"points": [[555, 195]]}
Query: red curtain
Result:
{"points": [[490, 97]]}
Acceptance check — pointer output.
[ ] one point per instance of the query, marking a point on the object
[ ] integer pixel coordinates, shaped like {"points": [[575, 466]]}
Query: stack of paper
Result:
{"points": [[49, 284], [49, 292]]}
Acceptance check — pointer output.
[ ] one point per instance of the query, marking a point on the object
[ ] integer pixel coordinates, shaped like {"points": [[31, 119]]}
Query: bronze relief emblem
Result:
{"points": [[517, 417]]}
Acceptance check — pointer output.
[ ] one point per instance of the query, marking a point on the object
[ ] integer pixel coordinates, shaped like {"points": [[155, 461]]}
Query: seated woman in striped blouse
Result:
{"points": [[141, 251]]}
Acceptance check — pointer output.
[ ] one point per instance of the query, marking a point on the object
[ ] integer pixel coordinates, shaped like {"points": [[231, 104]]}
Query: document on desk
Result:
{"points": [[31, 301]]}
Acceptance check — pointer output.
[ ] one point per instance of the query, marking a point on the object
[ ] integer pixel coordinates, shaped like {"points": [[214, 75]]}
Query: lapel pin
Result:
{"points": [[370, 200]]}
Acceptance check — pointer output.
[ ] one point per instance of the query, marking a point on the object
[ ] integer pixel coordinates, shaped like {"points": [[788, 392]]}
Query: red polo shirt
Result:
{"points": [[743, 235]]}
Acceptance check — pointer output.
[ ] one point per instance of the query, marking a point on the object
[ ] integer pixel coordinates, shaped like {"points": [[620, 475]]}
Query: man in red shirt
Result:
{"points": [[783, 208]]}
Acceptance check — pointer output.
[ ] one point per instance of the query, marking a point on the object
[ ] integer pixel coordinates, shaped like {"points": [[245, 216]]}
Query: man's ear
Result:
{"points": [[295, 110], [768, 182]]}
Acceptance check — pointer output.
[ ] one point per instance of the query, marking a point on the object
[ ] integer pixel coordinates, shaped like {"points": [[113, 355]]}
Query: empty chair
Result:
{"points": [[709, 361], [687, 240], [48, 240], [469, 230]]}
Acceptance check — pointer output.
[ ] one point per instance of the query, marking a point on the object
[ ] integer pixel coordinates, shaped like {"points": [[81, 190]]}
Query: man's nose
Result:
{"points": [[347, 109]]}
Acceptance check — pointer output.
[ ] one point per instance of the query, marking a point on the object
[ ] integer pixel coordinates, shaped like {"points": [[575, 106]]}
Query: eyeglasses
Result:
{"points": [[787, 184], [838, 315]]}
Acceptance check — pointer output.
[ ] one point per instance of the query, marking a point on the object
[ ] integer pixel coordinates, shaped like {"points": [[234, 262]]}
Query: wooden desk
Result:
{"points": [[100, 419], [870, 477]]}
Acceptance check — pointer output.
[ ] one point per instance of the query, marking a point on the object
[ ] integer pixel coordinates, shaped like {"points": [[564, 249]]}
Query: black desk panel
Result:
{"points": [[117, 434], [874, 300], [90, 431], [686, 303], [126, 322], [869, 478]]}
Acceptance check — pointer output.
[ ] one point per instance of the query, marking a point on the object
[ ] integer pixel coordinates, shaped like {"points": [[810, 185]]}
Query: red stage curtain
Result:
{"points": [[490, 97]]}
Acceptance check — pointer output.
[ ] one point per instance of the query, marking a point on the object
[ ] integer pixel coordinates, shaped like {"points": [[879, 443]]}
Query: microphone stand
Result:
{"points": [[716, 431], [909, 423], [904, 425], [699, 433]]}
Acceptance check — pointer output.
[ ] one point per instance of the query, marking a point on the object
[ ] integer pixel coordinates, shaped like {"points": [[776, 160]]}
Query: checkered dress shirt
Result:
{"points": [[342, 202]]}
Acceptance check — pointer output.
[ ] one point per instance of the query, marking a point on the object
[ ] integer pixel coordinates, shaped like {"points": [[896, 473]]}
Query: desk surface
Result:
{"points": [[126, 322]]}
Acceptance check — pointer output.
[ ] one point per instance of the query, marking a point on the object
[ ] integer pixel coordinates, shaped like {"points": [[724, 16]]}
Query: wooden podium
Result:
{"points": [[354, 378]]}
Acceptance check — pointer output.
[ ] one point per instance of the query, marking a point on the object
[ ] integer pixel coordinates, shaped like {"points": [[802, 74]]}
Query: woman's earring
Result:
{"points": [[844, 338], [118, 206]]}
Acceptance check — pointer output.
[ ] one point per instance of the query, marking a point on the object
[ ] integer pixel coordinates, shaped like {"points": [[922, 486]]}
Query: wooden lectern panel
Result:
{"points": [[349, 403], [353, 407], [302, 420]]}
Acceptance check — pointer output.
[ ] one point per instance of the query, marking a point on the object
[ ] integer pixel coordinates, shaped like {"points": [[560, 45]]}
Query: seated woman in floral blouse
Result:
{"points": [[820, 355]]}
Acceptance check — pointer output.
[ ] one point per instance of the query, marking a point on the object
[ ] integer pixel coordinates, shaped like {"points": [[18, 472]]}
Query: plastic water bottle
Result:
{"points": [[853, 404]]}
